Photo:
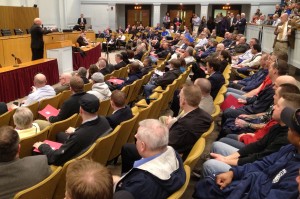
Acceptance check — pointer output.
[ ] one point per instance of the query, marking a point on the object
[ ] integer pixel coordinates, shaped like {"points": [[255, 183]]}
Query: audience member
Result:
{"points": [[207, 102], [92, 69], [215, 76], [82, 72], [160, 172], [39, 90], [18, 174], [78, 140], [23, 119], [3, 108], [121, 112], [64, 81], [100, 89], [88, 179], [119, 62]]}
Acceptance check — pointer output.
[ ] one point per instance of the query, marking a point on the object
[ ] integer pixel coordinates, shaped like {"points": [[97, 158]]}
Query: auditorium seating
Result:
{"points": [[6, 32], [178, 194]]}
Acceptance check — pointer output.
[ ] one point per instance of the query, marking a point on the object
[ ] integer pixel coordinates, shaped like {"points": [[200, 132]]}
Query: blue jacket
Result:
{"points": [[253, 81], [130, 79], [271, 178], [208, 51]]}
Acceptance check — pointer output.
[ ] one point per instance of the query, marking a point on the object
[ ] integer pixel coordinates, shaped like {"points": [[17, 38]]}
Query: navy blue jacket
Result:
{"points": [[119, 116], [131, 78], [217, 80], [253, 81]]}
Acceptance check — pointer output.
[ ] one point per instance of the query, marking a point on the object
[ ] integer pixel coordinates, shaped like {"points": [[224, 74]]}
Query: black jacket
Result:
{"points": [[217, 80], [79, 141], [119, 116], [37, 33], [69, 107], [120, 65], [270, 143], [167, 78]]}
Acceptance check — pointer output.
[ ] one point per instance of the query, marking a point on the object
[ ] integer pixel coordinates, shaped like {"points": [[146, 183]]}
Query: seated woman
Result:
{"points": [[23, 119], [165, 79]]}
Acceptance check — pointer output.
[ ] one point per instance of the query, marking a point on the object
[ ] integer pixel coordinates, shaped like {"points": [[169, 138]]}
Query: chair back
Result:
{"points": [[61, 126], [104, 107], [156, 107], [34, 107], [136, 90], [217, 112], [178, 194], [123, 135], [27, 143], [116, 73], [124, 72], [64, 96], [146, 78], [53, 101], [209, 131], [88, 86], [195, 153], [60, 189], [42, 190], [130, 92], [219, 99], [104, 146], [88, 153], [6, 117]]}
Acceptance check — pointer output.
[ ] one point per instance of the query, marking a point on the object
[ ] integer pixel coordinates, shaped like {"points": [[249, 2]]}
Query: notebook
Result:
{"points": [[116, 81], [53, 145], [49, 111], [230, 102]]}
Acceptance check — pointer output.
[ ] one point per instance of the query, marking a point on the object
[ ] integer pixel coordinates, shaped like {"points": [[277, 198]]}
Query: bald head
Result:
{"points": [[285, 79], [40, 80], [220, 47], [65, 78], [37, 21], [284, 17], [204, 85]]}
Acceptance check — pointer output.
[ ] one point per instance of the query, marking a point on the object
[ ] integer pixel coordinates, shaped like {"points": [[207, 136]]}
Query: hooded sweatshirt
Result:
{"points": [[101, 91]]}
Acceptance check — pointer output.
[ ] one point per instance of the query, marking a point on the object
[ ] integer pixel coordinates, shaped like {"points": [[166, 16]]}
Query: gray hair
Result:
{"points": [[190, 50], [23, 118], [154, 133]]}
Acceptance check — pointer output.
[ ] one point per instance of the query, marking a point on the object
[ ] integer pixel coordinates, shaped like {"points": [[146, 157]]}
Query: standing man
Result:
{"points": [[285, 35], [37, 43], [232, 22], [177, 22], [166, 20], [242, 24], [196, 23], [81, 20]]}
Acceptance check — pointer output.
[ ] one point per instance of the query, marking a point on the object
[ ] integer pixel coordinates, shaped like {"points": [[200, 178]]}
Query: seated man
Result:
{"points": [[122, 112], [164, 80], [185, 130], [272, 177], [252, 82], [226, 155], [78, 140], [88, 179], [207, 102], [82, 72], [104, 68], [160, 172], [40, 90], [216, 78], [23, 119], [71, 105], [64, 81], [82, 40], [100, 89], [119, 62], [18, 174]]}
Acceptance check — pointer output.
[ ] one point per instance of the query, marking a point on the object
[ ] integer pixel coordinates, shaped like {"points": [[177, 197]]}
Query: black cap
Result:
{"points": [[291, 118], [89, 103]]}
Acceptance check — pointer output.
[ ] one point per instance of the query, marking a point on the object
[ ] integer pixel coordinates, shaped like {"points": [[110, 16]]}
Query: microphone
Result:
{"points": [[17, 61]]}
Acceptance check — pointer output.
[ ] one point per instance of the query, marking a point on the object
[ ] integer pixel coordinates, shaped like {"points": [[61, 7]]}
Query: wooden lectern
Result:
{"points": [[62, 51]]}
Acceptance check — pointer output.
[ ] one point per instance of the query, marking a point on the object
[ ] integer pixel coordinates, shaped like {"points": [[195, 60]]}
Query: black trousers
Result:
{"points": [[37, 53], [129, 155]]}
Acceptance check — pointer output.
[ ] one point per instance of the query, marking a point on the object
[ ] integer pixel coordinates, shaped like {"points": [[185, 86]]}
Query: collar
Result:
{"points": [[144, 160], [94, 118]]}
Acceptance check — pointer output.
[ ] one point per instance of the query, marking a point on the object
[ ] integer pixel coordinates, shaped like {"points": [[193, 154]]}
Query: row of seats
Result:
{"points": [[17, 31]]}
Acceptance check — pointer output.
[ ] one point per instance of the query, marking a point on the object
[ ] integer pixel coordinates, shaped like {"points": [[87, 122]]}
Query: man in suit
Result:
{"points": [[78, 140], [81, 20], [119, 61], [177, 22], [64, 81], [241, 24], [122, 112], [215, 76], [18, 174], [285, 35], [37, 42], [184, 132], [82, 40], [232, 22]]}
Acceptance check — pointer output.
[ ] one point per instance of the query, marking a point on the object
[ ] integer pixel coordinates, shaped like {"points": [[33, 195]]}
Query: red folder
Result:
{"points": [[53, 145], [49, 111], [230, 102], [116, 81]]}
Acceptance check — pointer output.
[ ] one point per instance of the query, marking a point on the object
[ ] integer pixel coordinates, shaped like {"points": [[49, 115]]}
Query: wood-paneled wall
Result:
{"points": [[17, 17]]}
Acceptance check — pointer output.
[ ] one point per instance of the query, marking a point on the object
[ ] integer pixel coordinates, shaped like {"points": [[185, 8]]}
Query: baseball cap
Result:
{"points": [[89, 103], [291, 118], [189, 37], [98, 77]]}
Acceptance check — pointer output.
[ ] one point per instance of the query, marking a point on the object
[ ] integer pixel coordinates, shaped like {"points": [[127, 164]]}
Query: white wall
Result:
{"points": [[267, 9], [121, 16], [48, 11], [72, 11], [98, 14], [163, 10]]}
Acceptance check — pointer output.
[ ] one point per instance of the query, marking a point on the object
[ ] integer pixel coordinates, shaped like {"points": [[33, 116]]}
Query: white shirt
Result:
{"points": [[201, 42], [40, 93]]}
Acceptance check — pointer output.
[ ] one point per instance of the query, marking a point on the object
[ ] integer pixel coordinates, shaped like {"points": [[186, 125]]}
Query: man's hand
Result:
{"points": [[70, 130], [240, 123], [244, 116], [235, 81], [224, 179], [252, 134], [33, 89], [218, 157], [242, 101], [37, 144]]}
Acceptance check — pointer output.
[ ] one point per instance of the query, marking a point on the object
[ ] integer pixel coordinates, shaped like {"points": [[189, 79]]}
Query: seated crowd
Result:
{"points": [[255, 155]]}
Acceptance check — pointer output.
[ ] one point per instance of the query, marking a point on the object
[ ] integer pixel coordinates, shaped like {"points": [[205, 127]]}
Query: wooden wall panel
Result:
{"points": [[17, 17]]}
